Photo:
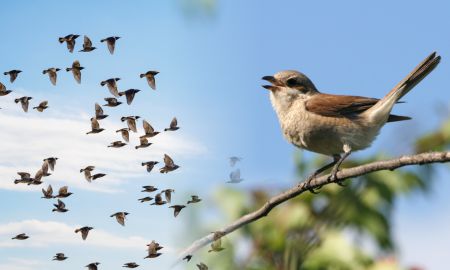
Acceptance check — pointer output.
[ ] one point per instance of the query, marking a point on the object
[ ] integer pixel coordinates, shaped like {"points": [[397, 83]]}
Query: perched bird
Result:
{"points": [[150, 76], [112, 86], [148, 129], [70, 40], [93, 266], [95, 127], [130, 265], [152, 249], [12, 74], [131, 122], [149, 165], [168, 194], [84, 231], [177, 209], [145, 199], [149, 189], [173, 125], [120, 217], [99, 115], [52, 74], [202, 266], [158, 200], [60, 207], [42, 106], [59, 257], [235, 177], [112, 102], [335, 124], [76, 70], [87, 45], [169, 165], [111, 42], [21, 236], [234, 160], [125, 133], [24, 101], [48, 193], [187, 258], [143, 143], [51, 161], [195, 199], [63, 192], [3, 91], [117, 144], [129, 94], [216, 245]]}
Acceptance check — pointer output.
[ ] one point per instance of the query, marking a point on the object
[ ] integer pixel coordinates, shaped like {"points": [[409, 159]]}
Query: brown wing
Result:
{"points": [[77, 74], [151, 81], [111, 45], [87, 43], [168, 160], [148, 129], [52, 75], [63, 190], [98, 110], [2, 87], [174, 123], [143, 140], [94, 124]]}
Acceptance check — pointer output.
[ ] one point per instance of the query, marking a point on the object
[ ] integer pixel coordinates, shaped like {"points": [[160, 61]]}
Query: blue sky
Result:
{"points": [[211, 63]]}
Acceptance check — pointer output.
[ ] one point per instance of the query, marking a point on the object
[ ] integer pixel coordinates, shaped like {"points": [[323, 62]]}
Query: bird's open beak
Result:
{"points": [[275, 83]]}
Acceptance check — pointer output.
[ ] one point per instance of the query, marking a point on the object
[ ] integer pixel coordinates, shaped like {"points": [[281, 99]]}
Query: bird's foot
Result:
{"points": [[333, 178], [308, 184]]}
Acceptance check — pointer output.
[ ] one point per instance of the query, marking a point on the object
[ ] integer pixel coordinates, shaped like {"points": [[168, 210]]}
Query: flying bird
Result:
{"points": [[87, 172], [87, 45], [52, 74], [149, 165], [169, 165], [234, 160], [95, 127], [195, 199], [125, 133], [84, 231], [235, 177], [24, 101], [150, 76], [25, 178], [187, 258], [60, 207], [129, 94], [168, 194], [111, 42], [76, 70], [99, 114], [177, 209], [158, 200], [120, 217], [148, 129], [51, 161], [3, 91], [48, 193], [173, 125], [70, 41], [21, 236], [117, 144], [59, 257], [202, 266], [42, 106], [149, 189], [130, 265], [112, 102], [63, 192], [12, 74], [112, 86], [152, 250], [131, 122], [93, 266], [143, 143], [37, 180], [145, 199]]}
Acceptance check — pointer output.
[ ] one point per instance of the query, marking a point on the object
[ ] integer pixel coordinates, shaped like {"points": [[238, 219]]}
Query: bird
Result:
{"points": [[76, 70], [195, 199], [51, 161], [168, 194], [150, 76], [37, 178], [216, 245], [93, 266], [129, 94], [149, 189], [25, 178], [158, 200], [187, 258], [52, 74], [24, 101], [87, 45], [125, 133], [42, 106], [130, 265], [63, 192], [48, 193], [3, 91], [59, 257], [117, 144], [120, 217], [45, 168], [112, 85], [152, 250], [173, 125], [335, 124], [70, 41], [148, 129], [145, 199], [99, 115], [235, 177], [202, 266], [143, 143], [149, 165], [60, 207], [21, 236], [12, 74], [87, 172], [131, 122], [234, 160], [169, 165], [112, 102], [177, 209], [84, 231], [95, 127], [111, 43]]}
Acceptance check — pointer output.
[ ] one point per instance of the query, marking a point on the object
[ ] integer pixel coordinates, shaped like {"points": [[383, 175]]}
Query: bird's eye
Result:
{"points": [[291, 82]]}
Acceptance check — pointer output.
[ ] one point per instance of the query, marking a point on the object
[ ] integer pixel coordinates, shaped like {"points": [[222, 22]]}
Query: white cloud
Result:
{"points": [[21, 264]]}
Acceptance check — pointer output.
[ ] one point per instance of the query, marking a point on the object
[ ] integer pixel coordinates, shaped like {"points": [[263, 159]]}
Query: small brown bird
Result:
{"points": [[70, 40], [87, 45], [125, 133], [169, 165], [48, 194], [84, 231], [60, 207], [24, 101], [148, 129], [111, 42], [149, 165], [112, 102], [59, 257], [130, 265], [195, 199], [63, 192], [149, 189], [44, 169], [150, 76], [112, 86], [158, 200], [51, 161], [168, 194], [152, 249], [93, 266], [131, 122], [173, 125], [187, 258], [76, 70], [143, 143], [129, 94], [145, 199], [202, 266], [99, 114], [95, 127], [87, 172], [52, 74], [3, 91], [120, 217], [117, 144], [21, 236], [177, 209], [42, 106], [12, 74], [25, 178]]}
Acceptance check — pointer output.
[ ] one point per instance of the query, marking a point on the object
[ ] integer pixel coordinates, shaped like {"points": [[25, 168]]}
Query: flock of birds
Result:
{"points": [[160, 198]]}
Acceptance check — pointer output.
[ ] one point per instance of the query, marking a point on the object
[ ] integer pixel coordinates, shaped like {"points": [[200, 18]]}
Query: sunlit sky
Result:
{"points": [[211, 61]]}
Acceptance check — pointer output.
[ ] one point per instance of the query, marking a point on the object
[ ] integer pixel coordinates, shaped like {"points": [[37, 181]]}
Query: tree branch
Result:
{"points": [[319, 181]]}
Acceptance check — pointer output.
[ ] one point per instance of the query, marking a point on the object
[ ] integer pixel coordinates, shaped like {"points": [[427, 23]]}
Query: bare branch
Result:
{"points": [[418, 159]]}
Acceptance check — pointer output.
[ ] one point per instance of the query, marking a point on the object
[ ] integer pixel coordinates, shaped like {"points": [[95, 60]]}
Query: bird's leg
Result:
{"points": [[334, 171], [319, 171]]}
